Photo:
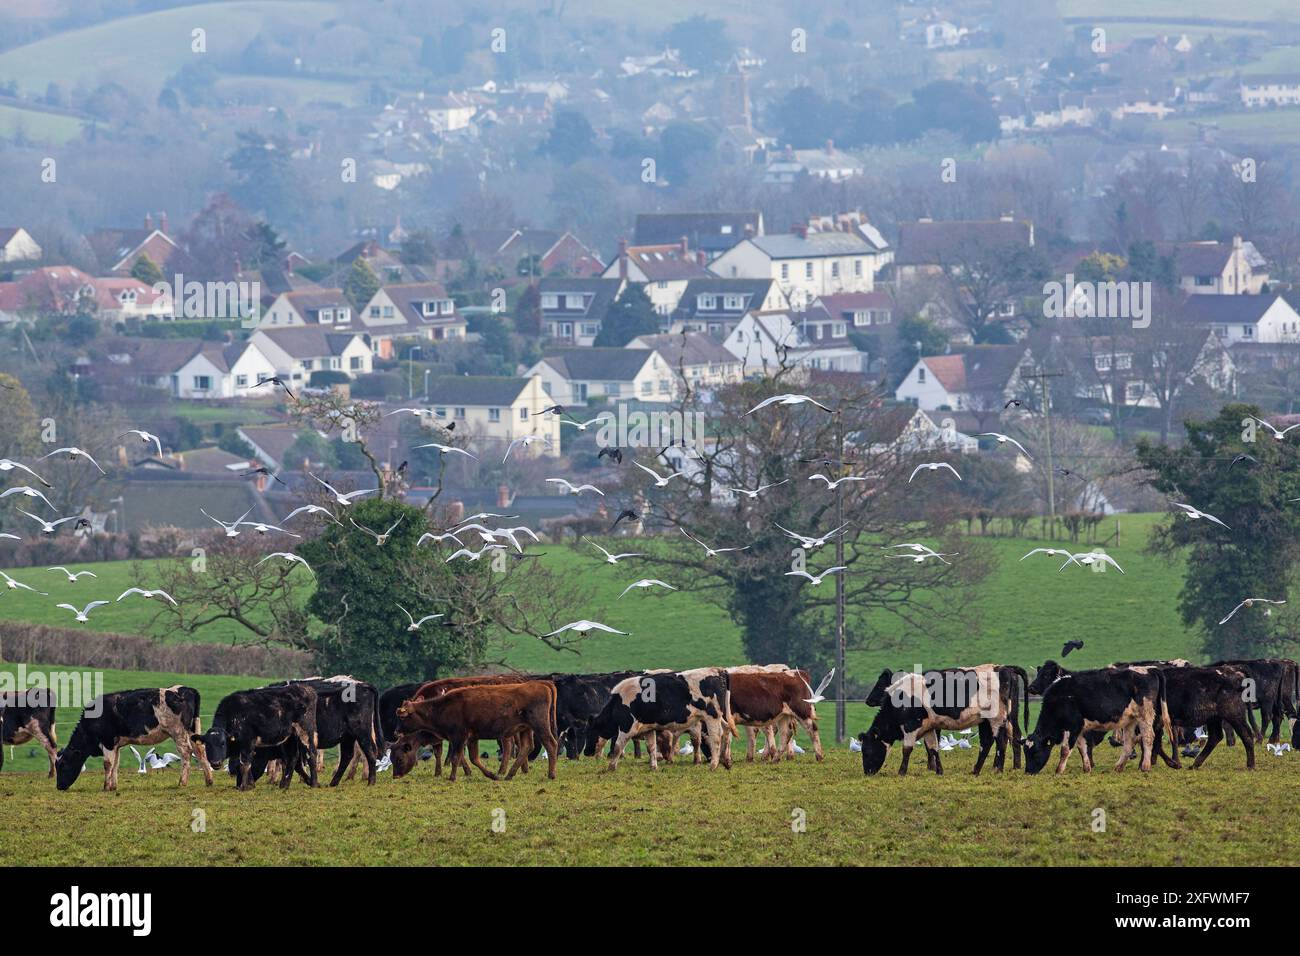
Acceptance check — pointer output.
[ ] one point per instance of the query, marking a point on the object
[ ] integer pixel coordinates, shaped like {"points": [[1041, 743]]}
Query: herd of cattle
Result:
{"points": [[284, 728]]}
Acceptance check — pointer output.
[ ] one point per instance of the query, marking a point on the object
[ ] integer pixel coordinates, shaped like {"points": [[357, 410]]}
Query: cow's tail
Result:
{"points": [[1024, 688], [1162, 700], [376, 728], [198, 703], [555, 723]]}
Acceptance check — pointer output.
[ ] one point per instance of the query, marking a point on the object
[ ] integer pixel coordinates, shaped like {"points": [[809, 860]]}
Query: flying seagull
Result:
{"points": [[660, 481], [753, 495], [572, 489], [340, 498], [648, 583], [7, 464], [526, 441], [413, 411], [263, 470], [379, 538], [261, 527], [1067, 473], [72, 577], [932, 466], [816, 696], [1243, 457], [582, 627], [611, 558], [816, 579], [1090, 558], [311, 510], [1050, 552], [13, 585], [832, 485], [430, 536], [49, 527], [82, 614], [710, 552], [786, 400], [1071, 646], [232, 528], [480, 516], [149, 594], [1250, 602], [923, 556], [1193, 513], [288, 556], [813, 542], [447, 449], [275, 380], [1012, 403], [475, 555], [415, 625], [1003, 439], [26, 490], [145, 438], [1279, 435], [583, 426]]}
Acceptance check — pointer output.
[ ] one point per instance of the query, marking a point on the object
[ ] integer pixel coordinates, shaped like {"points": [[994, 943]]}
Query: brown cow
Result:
{"points": [[463, 716], [437, 688], [767, 699]]}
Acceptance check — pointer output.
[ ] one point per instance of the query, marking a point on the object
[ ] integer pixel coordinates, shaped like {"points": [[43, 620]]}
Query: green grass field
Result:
{"points": [[38, 126], [682, 815]]}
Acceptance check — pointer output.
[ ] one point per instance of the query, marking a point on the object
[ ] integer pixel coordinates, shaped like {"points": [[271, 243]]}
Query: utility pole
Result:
{"points": [[1042, 375], [841, 721]]}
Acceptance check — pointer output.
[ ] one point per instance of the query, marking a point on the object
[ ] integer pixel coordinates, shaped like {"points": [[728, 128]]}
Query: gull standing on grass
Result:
{"points": [[1250, 602]]}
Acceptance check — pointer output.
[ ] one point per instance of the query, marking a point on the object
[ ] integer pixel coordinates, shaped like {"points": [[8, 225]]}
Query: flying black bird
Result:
{"points": [[828, 462], [625, 513], [261, 471], [558, 409], [275, 380], [1250, 458], [401, 469], [615, 455], [1071, 646], [1067, 473], [1014, 401]]}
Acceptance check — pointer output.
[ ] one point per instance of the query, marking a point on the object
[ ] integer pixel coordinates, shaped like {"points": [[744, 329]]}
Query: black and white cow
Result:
{"points": [[268, 717], [1126, 700], [914, 706], [147, 716], [28, 715], [657, 701]]}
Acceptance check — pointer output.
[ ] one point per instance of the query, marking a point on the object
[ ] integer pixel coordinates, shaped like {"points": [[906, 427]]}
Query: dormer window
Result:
{"points": [[342, 315], [708, 301], [733, 302], [550, 300], [327, 315]]}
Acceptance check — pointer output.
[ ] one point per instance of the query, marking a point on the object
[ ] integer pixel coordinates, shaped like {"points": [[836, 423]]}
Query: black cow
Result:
{"points": [[1273, 682], [1209, 696], [1123, 699], [914, 706], [267, 717], [147, 716], [28, 715], [579, 699], [347, 717], [665, 701]]}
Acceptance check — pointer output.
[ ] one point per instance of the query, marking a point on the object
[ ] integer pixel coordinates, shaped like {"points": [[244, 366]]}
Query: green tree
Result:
{"points": [[570, 139], [361, 284], [700, 41], [146, 270], [308, 445], [230, 441], [1256, 554], [914, 337], [19, 425], [265, 247], [627, 317], [528, 312]]}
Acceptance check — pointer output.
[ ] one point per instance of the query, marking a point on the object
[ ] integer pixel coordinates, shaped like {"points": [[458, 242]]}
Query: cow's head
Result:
{"points": [[1037, 750], [878, 695], [603, 727], [1047, 675], [874, 751], [216, 744], [405, 754], [67, 766]]}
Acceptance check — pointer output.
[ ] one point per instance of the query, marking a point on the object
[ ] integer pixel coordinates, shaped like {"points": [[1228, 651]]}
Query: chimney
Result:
{"points": [[1236, 242], [288, 265], [800, 229], [148, 222], [685, 246], [622, 258], [830, 146], [162, 222], [503, 496], [749, 230]]}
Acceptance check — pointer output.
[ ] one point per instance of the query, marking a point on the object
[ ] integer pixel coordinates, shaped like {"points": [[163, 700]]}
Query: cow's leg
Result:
{"points": [[652, 748], [51, 751], [751, 735], [907, 755], [552, 745], [1147, 732], [636, 748], [307, 741], [932, 759], [521, 754], [717, 730], [986, 741], [1000, 739], [1066, 747], [110, 768], [810, 725], [1126, 740], [1214, 730], [616, 747], [437, 757], [1247, 744], [1173, 744], [505, 745], [697, 739]]}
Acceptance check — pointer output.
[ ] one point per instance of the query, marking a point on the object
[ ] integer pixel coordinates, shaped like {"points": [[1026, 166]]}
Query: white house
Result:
{"points": [[221, 371], [17, 245], [1217, 268], [805, 266], [979, 378], [576, 376], [694, 359], [715, 306], [763, 342], [495, 410], [1270, 89], [574, 308], [1244, 318], [298, 352], [410, 310], [327, 307], [663, 270]]}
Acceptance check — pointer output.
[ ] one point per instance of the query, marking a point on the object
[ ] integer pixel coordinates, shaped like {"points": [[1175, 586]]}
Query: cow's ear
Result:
{"points": [[196, 739]]}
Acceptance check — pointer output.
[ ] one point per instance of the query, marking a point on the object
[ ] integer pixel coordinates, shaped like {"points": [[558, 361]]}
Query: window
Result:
{"points": [[807, 270], [835, 270], [920, 375], [706, 301], [839, 330], [1101, 363], [591, 329], [355, 363], [342, 315], [1247, 331], [1133, 392], [613, 389], [857, 268], [203, 382], [307, 364], [566, 330], [663, 386], [572, 301], [862, 317], [647, 387], [550, 300], [241, 381], [460, 412], [440, 412], [523, 414], [880, 316], [334, 363], [1205, 280], [374, 311], [494, 414], [327, 315], [785, 270], [734, 301]]}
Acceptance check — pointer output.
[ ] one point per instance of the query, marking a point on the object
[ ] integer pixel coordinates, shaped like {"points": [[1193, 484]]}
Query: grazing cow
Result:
{"points": [[465, 715], [268, 717], [346, 717], [147, 716], [1208, 696], [1125, 700], [437, 688], [914, 706], [665, 701], [776, 702], [28, 715], [1273, 681]]}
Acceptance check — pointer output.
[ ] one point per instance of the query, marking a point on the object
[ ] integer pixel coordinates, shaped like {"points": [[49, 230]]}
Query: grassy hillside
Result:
{"points": [[1219, 815], [38, 126]]}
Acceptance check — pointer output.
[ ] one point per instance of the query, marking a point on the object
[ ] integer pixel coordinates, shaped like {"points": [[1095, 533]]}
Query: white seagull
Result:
{"points": [[923, 556], [288, 556], [1279, 435], [261, 527], [447, 449], [475, 555], [933, 466], [81, 615], [311, 510], [413, 411], [1250, 602], [430, 536], [49, 527], [1194, 514], [817, 696], [753, 495], [648, 583], [583, 426], [582, 627], [1278, 749], [148, 594], [232, 528], [526, 441], [8, 464], [832, 485], [343, 499], [612, 558], [415, 625], [710, 552], [572, 489], [72, 577], [788, 399], [26, 490], [810, 542], [13, 585], [660, 481], [1050, 552], [816, 579], [73, 454], [380, 539], [1090, 558], [145, 438], [1003, 439]]}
